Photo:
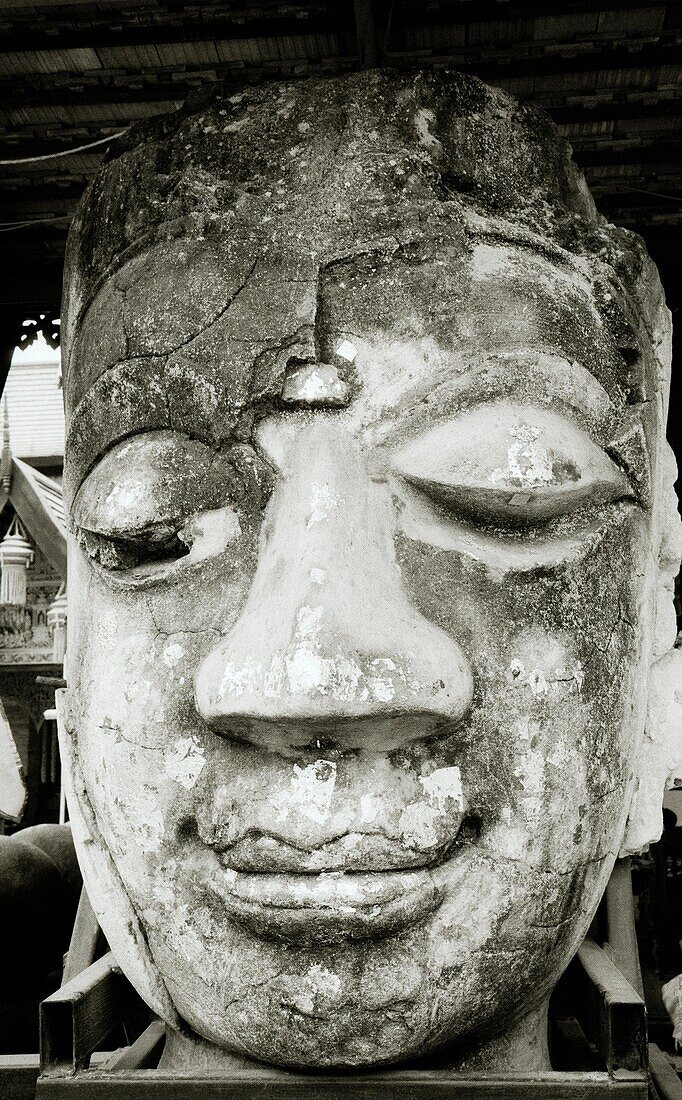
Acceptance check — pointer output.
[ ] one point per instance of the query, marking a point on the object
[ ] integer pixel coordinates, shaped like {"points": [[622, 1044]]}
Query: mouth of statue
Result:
{"points": [[301, 906], [330, 907]]}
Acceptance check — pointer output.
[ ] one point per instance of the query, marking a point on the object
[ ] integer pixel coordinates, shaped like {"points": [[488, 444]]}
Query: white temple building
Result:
{"points": [[33, 569]]}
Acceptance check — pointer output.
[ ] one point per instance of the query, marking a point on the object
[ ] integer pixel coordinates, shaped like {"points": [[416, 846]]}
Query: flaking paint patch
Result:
{"points": [[209, 533], [418, 825], [185, 762], [323, 500], [381, 684], [531, 772], [318, 983], [172, 654], [124, 495], [313, 386], [324, 981], [235, 681], [529, 464], [310, 792], [164, 894], [423, 119], [444, 784], [370, 806], [543, 682], [305, 670], [347, 350], [146, 824]]}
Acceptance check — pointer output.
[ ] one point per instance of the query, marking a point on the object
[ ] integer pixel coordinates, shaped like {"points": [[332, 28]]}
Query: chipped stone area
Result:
{"points": [[315, 384], [323, 500], [310, 793], [304, 670], [528, 462]]}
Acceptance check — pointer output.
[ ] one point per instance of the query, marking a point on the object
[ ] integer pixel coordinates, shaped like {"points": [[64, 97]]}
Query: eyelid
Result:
{"points": [[144, 487], [511, 464]]}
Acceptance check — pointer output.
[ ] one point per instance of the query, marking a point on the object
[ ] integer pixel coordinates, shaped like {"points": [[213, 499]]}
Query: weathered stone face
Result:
{"points": [[363, 585]]}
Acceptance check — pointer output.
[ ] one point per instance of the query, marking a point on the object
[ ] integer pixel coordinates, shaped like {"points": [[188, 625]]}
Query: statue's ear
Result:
{"points": [[659, 760]]}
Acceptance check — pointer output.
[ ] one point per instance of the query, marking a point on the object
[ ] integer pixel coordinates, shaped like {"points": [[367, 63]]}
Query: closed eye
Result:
{"points": [[511, 465], [139, 504]]}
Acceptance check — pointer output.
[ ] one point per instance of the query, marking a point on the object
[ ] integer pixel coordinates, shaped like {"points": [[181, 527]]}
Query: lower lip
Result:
{"points": [[326, 908]]}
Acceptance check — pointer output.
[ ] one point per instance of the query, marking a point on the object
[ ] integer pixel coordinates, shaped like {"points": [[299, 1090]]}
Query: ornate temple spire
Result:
{"points": [[6, 457], [56, 622], [16, 555]]}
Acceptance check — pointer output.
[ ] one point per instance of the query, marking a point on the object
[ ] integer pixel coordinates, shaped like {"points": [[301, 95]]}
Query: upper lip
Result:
{"points": [[353, 851], [323, 908]]}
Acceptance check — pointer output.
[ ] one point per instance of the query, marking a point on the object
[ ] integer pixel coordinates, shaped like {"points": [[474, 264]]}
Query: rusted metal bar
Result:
{"points": [[76, 1019], [612, 1013], [144, 1053], [84, 939], [620, 915]]}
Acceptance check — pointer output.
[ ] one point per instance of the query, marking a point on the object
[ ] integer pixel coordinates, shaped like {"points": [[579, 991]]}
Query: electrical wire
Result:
{"points": [[64, 152], [9, 227]]}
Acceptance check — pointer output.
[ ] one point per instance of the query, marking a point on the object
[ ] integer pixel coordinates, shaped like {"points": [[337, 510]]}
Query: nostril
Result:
{"points": [[186, 829], [471, 828], [321, 744]]}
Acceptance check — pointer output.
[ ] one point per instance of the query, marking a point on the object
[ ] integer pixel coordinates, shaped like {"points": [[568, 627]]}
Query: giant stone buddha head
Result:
{"points": [[372, 539]]}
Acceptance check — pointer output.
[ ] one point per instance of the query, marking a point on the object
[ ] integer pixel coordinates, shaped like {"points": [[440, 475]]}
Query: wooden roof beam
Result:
{"points": [[91, 86], [328, 18]]}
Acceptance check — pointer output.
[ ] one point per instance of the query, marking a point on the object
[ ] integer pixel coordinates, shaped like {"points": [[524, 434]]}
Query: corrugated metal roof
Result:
{"points": [[36, 410], [48, 492]]}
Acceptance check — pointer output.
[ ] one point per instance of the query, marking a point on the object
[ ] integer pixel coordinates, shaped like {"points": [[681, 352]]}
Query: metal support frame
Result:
{"points": [[620, 918], [18, 1073], [78, 1017], [81, 1015], [422, 1085], [611, 1012], [667, 1083], [85, 938]]}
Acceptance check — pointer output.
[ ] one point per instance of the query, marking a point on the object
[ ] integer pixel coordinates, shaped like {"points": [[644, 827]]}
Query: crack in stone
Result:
{"points": [[194, 336], [129, 740]]}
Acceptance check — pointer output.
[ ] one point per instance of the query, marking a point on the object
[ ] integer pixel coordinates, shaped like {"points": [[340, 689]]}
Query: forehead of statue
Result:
{"points": [[193, 335]]}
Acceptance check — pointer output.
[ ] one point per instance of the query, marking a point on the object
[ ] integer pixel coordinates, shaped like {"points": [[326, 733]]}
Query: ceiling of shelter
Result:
{"points": [[75, 71]]}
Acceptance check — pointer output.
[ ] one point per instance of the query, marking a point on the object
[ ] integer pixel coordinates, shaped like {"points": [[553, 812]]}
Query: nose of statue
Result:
{"points": [[329, 650]]}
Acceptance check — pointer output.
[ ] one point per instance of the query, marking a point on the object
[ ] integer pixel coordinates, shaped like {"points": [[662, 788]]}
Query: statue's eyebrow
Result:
{"points": [[505, 234], [488, 379], [127, 400], [131, 399]]}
